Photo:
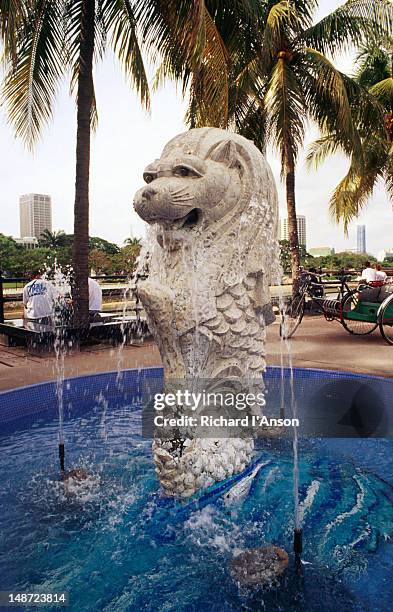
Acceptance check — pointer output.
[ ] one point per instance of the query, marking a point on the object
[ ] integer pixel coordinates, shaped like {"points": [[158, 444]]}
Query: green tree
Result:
{"points": [[375, 72], [388, 263], [100, 262], [338, 261], [8, 250], [285, 256], [52, 240], [124, 262], [25, 261], [96, 243]]}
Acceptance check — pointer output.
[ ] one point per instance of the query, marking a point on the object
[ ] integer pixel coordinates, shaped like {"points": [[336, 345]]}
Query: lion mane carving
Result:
{"points": [[212, 206]]}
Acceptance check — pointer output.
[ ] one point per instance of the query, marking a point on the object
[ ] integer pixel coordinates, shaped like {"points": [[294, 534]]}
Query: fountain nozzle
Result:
{"points": [[297, 548], [61, 455]]}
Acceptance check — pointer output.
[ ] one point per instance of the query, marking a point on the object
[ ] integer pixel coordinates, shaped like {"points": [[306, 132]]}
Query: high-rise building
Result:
{"points": [[301, 229], [35, 214], [361, 239]]}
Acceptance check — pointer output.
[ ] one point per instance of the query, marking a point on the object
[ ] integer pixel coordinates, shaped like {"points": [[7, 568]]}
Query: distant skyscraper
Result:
{"points": [[301, 229], [361, 239], [35, 214]]}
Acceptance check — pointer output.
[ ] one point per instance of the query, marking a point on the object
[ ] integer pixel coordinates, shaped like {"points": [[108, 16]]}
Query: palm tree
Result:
{"points": [[134, 242], [52, 240], [298, 82], [279, 77], [62, 36], [66, 35], [375, 72]]}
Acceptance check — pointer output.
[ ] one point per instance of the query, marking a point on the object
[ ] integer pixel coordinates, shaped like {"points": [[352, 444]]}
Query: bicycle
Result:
{"points": [[358, 310]]}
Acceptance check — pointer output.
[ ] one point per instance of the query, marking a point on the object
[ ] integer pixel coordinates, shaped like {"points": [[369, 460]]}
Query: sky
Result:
{"points": [[127, 139]]}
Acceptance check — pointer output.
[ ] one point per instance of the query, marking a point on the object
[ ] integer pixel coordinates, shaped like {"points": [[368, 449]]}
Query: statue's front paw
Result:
{"points": [[155, 296]]}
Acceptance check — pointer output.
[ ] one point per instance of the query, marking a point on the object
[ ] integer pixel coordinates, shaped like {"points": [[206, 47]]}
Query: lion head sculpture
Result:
{"points": [[216, 185]]}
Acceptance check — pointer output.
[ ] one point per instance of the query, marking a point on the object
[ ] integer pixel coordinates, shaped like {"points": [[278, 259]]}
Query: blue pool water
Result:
{"points": [[119, 545]]}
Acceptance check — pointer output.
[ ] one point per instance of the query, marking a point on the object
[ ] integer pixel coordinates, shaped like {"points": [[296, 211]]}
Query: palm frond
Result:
{"points": [[356, 21], [383, 91], [367, 112], [121, 22], [378, 12], [321, 149], [356, 188], [388, 174], [211, 78], [201, 60], [351, 195], [31, 84], [12, 17], [285, 110], [329, 80], [374, 61], [326, 93]]}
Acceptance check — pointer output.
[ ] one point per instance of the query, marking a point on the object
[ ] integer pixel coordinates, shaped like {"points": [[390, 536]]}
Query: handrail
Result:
{"points": [[124, 277]]}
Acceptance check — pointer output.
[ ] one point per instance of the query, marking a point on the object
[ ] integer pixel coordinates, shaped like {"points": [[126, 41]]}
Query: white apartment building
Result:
{"points": [[35, 214], [301, 229]]}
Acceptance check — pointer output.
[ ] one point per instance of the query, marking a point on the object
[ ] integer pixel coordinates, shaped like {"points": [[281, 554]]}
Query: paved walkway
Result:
{"points": [[327, 345], [317, 344], [18, 368]]}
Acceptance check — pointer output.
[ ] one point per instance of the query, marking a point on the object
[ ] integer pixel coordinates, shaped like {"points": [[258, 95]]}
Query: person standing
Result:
{"points": [[39, 299]]}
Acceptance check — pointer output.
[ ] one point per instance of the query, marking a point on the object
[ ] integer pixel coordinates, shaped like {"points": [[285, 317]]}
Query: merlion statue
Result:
{"points": [[212, 203]]}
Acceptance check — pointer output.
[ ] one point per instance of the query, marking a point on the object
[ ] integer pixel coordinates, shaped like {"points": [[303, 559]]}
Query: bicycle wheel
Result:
{"points": [[354, 326], [292, 316], [385, 320]]}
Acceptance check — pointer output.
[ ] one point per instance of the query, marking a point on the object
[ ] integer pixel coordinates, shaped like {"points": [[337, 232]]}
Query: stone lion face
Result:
{"points": [[185, 192]]}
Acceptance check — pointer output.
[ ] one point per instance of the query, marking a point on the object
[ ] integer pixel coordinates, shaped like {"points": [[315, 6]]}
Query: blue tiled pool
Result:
{"points": [[119, 545]]}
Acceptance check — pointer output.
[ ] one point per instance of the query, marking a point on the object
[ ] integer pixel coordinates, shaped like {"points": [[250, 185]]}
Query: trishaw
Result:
{"points": [[360, 311]]}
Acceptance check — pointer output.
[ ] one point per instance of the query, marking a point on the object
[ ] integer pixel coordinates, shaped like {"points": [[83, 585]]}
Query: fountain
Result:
{"points": [[212, 204], [216, 517], [73, 478], [142, 544], [60, 314]]}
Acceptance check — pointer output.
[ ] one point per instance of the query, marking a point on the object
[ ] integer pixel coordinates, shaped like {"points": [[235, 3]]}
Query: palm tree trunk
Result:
{"points": [[85, 98], [293, 237]]}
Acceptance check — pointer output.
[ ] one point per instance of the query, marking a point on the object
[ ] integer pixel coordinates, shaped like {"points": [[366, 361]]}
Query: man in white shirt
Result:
{"points": [[369, 274], [39, 297], [95, 299]]}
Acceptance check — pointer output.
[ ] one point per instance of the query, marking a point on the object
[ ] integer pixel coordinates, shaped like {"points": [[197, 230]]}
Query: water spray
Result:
{"points": [[297, 548]]}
